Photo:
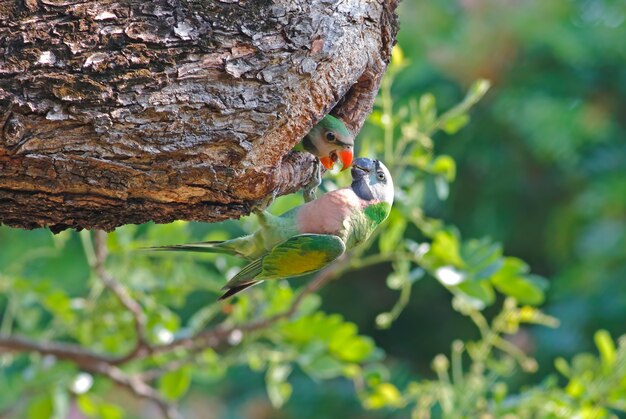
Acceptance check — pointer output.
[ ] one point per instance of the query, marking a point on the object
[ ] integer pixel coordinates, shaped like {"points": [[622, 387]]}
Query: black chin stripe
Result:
{"points": [[362, 189]]}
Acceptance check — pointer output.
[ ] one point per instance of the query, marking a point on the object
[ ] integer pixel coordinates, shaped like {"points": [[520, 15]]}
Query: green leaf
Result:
{"points": [[428, 110], [210, 367], [95, 408], [87, 405], [511, 280], [521, 288], [61, 401], [374, 374], [454, 124], [384, 394], [606, 347], [357, 349], [481, 256], [324, 367], [174, 384], [397, 56], [279, 393], [562, 366], [442, 187], [278, 389], [477, 90], [41, 407], [280, 300], [445, 250], [479, 290], [376, 118], [444, 166], [60, 305], [110, 411]]}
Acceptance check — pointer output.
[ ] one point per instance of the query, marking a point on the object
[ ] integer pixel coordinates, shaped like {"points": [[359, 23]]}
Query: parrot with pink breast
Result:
{"points": [[308, 237]]}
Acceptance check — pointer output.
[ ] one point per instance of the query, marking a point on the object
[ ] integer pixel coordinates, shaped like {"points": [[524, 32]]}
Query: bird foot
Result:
{"points": [[308, 192], [263, 204]]}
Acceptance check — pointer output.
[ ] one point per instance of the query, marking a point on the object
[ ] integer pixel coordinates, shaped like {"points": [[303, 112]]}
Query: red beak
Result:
{"points": [[346, 158], [327, 162]]}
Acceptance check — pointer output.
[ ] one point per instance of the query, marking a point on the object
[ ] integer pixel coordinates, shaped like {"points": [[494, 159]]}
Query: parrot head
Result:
{"points": [[371, 180], [330, 140]]}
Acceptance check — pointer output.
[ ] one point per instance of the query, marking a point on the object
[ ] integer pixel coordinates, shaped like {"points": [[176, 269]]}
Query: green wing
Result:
{"points": [[300, 255], [295, 256]]}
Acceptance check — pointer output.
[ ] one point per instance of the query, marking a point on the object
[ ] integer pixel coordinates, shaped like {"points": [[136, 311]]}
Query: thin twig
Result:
{"points": [[64, 351], [137, 386], [112, 284], [92, 363]]}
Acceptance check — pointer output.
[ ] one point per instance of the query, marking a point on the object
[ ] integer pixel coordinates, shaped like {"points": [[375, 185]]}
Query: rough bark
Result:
{"points": [[116, 112]]}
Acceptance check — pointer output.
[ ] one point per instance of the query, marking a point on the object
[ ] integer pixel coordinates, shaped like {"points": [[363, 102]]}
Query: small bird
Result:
{"points": [[329, 140], [308, 237]]}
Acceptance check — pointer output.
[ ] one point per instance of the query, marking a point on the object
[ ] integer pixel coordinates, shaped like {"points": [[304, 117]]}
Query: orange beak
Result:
{"points": [[344, 155], [327, 162], [346, 158]]}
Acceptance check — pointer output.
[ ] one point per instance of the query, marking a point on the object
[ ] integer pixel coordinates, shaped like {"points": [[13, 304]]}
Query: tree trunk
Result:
{"points": [[116, 112]]}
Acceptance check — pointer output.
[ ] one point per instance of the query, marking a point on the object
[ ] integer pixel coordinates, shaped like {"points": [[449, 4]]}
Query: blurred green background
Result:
{"points": [[541, 168], [542, 165]]}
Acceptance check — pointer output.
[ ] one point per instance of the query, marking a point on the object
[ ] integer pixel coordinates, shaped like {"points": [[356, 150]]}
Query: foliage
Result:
{"points": [[544, 163], [54, 288]]}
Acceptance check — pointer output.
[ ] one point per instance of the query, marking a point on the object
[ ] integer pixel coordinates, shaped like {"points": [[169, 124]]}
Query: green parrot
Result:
{"points": [[308, 237], [329, 140]]}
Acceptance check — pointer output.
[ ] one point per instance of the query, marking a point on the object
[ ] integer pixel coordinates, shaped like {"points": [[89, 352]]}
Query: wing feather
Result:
{"points": [[296, 256], [301, 255]]}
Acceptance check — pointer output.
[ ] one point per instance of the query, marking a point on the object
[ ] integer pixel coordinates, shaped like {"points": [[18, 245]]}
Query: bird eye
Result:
{"points": [[380, 176], [330, 136]]}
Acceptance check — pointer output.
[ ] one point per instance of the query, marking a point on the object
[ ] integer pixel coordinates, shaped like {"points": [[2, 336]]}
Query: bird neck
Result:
{"points": [[378, 211], [362, 189]]}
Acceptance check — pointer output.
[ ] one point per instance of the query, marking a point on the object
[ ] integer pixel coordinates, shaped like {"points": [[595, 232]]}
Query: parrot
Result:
{"points": [[308, 237], [329, 140]]}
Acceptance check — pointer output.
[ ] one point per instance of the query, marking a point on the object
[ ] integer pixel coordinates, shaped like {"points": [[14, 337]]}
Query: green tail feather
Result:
{"points": [[203, 247], [240, 246]]}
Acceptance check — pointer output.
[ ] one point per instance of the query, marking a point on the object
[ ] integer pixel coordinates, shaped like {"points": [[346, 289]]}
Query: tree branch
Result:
{"points": [[136, 386], [109, 366], [90, 362], [173, 109], [142, 345]]}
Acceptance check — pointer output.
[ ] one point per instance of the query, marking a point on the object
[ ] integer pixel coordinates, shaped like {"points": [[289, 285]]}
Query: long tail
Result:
{"points": [[202, 247], [237, 247]]}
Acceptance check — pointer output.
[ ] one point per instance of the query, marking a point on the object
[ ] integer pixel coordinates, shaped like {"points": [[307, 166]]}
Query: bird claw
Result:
{"points": [[308, 192], [263, 204]]}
